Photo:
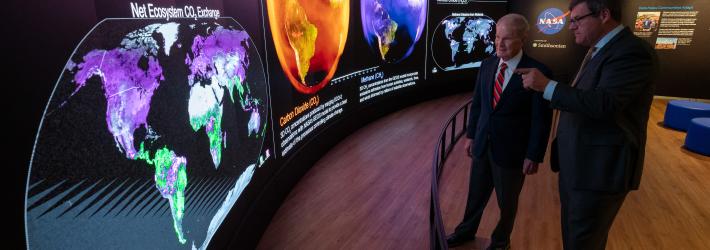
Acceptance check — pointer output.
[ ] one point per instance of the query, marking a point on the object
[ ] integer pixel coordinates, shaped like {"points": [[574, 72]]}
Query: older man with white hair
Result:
{"points": [[507, 133]]}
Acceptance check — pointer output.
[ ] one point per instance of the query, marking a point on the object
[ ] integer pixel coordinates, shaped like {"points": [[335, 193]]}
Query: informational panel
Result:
{"points": [[461, 35], [395, 34], [679, 31], [156, 125]]}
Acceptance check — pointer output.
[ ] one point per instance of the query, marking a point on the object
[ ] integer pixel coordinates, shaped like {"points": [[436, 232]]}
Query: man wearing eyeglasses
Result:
{"points": [[600, 136]]}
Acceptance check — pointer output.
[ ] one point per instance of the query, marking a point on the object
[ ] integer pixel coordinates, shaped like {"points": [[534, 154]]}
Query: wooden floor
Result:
{"points": [[372, 191]]}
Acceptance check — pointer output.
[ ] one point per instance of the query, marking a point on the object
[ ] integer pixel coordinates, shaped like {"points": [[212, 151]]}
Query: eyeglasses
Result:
{"points": [[575, 20]]}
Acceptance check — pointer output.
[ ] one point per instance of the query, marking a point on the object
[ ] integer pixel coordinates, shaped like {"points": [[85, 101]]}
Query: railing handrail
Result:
{"points": [[437, 235]]}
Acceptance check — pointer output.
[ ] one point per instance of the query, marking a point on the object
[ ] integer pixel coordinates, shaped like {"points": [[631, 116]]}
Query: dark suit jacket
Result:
{"points": [[519, 126], [602, 131]]}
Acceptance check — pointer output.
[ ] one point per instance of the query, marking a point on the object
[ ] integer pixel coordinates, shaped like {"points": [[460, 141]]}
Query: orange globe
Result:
{"points": [[309, 36]]}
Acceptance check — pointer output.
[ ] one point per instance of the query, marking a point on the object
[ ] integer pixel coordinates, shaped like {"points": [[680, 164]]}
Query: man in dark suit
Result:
{"points": [[507, 133], [601, 133]]}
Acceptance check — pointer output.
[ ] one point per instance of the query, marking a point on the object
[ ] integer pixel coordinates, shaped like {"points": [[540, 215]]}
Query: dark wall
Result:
{"points": [[557, 49], [682, 69], [684, 65]]}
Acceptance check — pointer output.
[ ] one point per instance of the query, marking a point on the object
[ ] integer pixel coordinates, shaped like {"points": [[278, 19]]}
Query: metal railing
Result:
{"points": [[447, 139]]}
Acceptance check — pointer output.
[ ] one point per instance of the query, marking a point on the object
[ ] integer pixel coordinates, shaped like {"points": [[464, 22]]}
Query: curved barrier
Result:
{"points": [[448, 137]]}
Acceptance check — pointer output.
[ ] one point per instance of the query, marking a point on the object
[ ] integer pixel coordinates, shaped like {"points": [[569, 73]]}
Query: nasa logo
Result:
{"points": [[551, 21]]}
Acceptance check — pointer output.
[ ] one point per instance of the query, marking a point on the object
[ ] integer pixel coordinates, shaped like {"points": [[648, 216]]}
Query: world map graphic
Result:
{"points": [[461, 42], [175, 111]]}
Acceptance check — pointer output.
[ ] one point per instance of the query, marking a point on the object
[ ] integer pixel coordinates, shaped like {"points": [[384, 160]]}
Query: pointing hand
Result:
{"points": [[533, 79]]}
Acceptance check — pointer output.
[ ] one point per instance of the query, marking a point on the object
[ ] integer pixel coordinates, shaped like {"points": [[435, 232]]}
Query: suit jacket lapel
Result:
{"points": [[515, 83], [593, 64]]}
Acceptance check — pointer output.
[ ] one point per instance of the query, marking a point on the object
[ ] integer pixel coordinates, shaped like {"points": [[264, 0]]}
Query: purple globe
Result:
{"points": [[393, 27]]}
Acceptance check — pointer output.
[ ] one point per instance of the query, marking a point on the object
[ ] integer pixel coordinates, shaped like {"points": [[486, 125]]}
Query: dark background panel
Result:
{"points": [[563, 62], [684, 71], [40, 36], [689, 62]]}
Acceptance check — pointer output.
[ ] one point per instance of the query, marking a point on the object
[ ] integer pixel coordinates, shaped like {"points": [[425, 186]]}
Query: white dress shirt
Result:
{"points": [[512, 65]]}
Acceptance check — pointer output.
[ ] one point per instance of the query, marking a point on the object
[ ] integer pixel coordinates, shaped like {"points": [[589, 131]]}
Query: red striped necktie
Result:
{"points": [[498, 88]]}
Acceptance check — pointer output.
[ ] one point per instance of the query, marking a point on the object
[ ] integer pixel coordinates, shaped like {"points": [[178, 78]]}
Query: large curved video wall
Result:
{"points": [[182, 124]]}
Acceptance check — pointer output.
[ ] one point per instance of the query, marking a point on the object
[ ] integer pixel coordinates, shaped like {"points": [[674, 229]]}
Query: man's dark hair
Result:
{"points": [[596, 6]]}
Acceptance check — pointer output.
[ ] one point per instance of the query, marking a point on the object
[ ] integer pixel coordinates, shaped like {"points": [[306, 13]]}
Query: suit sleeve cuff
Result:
{"points": [[549, 90], [535, 157]]}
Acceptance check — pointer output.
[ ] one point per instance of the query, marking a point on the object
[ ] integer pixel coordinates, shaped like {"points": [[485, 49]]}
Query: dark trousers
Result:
{"points": [[485, 176], [587, 216]]}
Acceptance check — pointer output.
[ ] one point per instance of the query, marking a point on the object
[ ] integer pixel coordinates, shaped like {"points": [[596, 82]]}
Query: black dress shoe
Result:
{"points": [[504, 247], [456, 239]]}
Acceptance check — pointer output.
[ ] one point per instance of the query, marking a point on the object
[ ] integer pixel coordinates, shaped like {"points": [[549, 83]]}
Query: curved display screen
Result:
{"points": [[169, 119], [145, 117]]}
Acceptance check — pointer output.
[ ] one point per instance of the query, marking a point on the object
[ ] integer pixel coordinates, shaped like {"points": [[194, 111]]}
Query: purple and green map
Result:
{"points": [[153, 131]]}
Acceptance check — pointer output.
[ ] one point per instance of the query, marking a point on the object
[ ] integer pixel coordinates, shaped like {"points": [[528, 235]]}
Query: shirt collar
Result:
{"points": [[513, 62], [606, 38]]}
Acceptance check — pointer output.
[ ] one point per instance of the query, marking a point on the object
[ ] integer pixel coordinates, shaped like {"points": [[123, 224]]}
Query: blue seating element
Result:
{"points": [[698, 137], [680, 112]]}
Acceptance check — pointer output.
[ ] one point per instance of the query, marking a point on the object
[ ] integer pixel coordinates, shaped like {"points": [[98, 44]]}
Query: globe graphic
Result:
{"points": [[461, 42], [146, 114], [309, 36], [393, 27]]}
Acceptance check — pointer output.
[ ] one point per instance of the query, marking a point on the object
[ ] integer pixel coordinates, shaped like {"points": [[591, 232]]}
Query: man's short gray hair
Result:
{"points": [[518, 22]]}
